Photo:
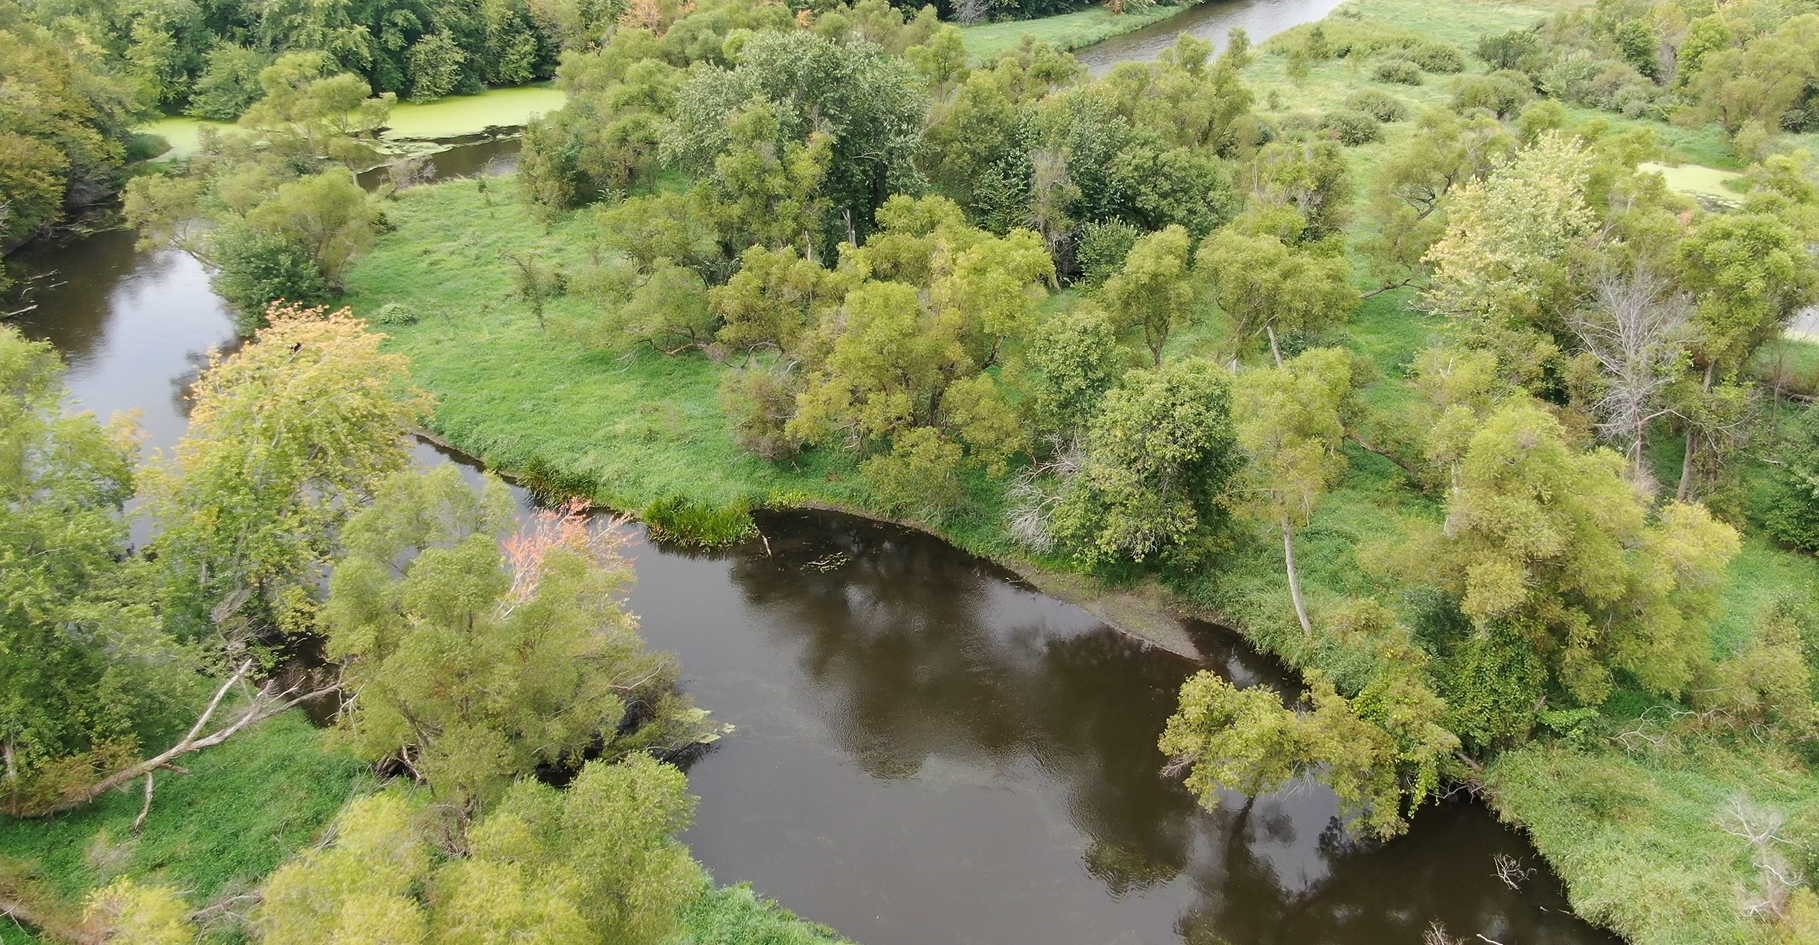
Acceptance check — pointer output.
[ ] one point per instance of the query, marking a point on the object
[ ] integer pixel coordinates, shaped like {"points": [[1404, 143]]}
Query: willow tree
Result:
{"points": [[1246, 740], [1552, 546], [902, 369], [596, 862], [1506, 267], [1152, 293], [287, 435], [474, 660], [1289, 426], [1264, 285]]}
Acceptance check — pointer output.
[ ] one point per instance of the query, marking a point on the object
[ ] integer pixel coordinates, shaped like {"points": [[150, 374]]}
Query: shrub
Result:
{"points": [[684, 521], [1437, 57], [760, 403], [919, 474], [1351, 128], [1501, 93], [1378, 104], [1101, 249], [394, 313], [1516, 49], [1398, 71], [256, 269]]}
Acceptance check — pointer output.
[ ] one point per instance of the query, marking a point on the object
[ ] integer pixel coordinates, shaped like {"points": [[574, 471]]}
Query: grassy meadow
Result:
{"points": [[1633, 828]]}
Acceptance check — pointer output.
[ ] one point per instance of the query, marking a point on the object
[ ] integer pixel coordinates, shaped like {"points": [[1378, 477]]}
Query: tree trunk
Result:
{"points": [[1294, 578], [1692, 443], [1686, 468], [50, 926], [1386, 454], [1275, 348], [265, 705]]}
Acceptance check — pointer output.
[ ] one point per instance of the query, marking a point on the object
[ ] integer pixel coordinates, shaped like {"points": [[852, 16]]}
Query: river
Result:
{"points": [[926, 751], [1260, 19]]}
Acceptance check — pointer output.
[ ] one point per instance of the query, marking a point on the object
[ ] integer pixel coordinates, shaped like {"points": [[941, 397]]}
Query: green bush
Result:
{"points": [[686, 522], [1378, 104], [1502, 93], [1436, 56], [1351, 128], [1789, 507], [256, 269], [1101, 248], [394, 313], [1398, 71]]}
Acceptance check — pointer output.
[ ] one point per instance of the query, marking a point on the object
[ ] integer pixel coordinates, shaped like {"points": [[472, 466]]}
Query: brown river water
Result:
{"points": [[927, 752]]}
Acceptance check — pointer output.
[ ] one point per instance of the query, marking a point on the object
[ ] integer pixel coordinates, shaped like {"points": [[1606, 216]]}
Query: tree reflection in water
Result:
{"points": [[926, 667]]}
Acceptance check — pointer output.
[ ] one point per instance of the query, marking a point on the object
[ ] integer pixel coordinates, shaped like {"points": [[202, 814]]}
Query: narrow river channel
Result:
{"points": [[927, 752]]}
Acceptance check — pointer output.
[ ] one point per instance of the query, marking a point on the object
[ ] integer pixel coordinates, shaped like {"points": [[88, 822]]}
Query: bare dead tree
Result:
{"points": [[1436, 934], [262, 704], [969, 12], [1511, 871], [1636, 332], [1761, 828]]}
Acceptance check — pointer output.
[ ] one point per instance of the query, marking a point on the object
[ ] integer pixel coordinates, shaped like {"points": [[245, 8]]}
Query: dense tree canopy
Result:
{"points": [[88, 675]]}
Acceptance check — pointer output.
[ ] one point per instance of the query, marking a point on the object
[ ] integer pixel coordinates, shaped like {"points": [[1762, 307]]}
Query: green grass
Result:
{"points": [[629, 429], [625, 429], [988, 41], [246, 806], [1637, 837], [734, 915]]}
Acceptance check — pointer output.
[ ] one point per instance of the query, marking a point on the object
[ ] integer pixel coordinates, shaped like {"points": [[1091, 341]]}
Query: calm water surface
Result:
{"points": [[1212, 20], [926, 751]]}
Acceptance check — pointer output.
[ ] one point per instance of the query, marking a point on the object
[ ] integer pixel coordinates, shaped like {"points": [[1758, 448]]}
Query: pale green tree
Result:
{"points": [[1290, 428], [287, 435], [360, 889], [1075, 359], [772, 300], [475, 661], [1267, 286], [766, 189], [130, 913], [597, 862], [310, 113], [1246, 740], [85, 671], [1556, 546], [1505, 261], [329, 216]]}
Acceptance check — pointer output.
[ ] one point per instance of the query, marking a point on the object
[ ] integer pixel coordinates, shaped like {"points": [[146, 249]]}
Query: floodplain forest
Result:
{"points": [[1455, 357]]}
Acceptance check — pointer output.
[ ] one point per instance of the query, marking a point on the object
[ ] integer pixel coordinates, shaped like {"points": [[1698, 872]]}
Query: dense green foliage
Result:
{"points": [[64, 128], [482, 661], [88, 677]]}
